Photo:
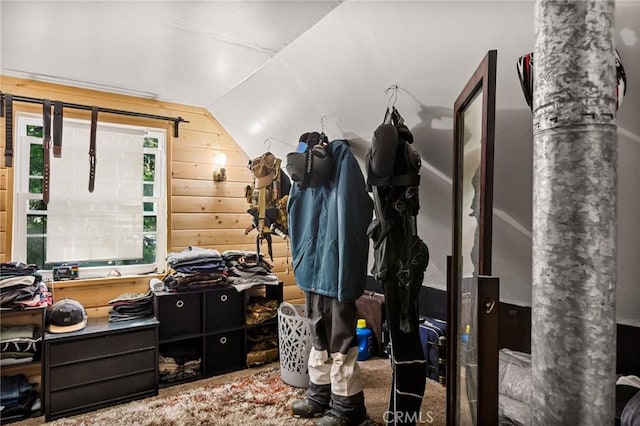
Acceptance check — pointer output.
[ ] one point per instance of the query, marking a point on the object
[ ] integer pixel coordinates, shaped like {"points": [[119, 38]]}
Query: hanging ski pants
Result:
{"points": [[334, 375], [407, 356]]}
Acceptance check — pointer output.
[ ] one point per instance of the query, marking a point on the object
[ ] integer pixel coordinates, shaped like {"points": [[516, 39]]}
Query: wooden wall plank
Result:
{"points": [[208, 205], [292, 292], [188, 154], [184, 221], [97, 292], [210, 237], [279, 248], [98, 312], [91, 297], [198, 171], [5, 246], [3, 176], [287, 279], [207, 139], [207, 188], [27, 316], [282, 263]]}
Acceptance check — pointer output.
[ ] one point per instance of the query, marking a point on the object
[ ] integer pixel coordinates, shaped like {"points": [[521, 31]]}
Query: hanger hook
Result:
{"points": [[393, 95], [267, 141], [322, 120]]}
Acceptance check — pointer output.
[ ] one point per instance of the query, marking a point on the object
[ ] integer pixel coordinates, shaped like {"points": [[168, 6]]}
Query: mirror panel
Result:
{"points": [[467, 326], [474, 116]]}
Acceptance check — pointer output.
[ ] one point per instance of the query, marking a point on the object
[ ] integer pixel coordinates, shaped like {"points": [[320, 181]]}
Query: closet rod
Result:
{"points": [[176, 120]]}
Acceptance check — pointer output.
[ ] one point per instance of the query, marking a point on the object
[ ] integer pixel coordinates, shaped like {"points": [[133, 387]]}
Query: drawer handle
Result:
{"points": [[223, 340], [224, 298], [179, 303]]}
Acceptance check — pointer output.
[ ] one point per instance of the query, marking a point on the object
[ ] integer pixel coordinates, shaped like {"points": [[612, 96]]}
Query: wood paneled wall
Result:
{"points": [[201, 212]]}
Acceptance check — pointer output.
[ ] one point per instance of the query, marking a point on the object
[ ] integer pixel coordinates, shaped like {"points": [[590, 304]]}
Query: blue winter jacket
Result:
{"points": [[328, 230]]}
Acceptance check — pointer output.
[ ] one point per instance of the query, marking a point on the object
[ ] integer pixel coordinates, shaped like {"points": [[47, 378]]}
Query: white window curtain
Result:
{"points": [[106, 224]]}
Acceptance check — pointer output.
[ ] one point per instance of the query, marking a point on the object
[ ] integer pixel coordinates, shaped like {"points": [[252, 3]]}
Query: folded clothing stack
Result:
{"points": [[178, 362], [195, 268], [130, 306], [19, 398], [262, 345], [19, 344], [21, 287], [247, 268], [261, 309]]}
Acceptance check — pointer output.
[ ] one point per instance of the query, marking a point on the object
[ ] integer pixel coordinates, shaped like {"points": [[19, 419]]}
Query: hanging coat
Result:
{"points": [[328, 230]]}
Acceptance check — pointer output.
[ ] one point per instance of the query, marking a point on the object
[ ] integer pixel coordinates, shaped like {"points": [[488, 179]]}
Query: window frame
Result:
{"points": [[22, 196]]}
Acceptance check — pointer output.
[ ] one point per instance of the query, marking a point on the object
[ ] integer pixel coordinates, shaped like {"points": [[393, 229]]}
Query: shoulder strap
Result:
{"points": [[57, 129], [92, 148], [308, 169], [8, 142], [46, 147]]}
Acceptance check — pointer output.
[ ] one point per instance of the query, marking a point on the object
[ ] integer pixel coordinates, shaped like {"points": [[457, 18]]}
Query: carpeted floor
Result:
{"points": [[255, 396]]}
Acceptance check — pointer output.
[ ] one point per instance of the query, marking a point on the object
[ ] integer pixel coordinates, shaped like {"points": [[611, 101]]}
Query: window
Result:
{"points": [[121, 225]]}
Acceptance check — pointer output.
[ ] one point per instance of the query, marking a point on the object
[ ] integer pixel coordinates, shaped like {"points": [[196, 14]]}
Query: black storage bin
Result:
{"points": [[181, 315], [223, 309], [224, 352]]}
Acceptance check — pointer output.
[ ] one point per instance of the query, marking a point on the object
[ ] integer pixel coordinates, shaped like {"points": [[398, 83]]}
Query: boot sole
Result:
{"points": [[312, 416]]}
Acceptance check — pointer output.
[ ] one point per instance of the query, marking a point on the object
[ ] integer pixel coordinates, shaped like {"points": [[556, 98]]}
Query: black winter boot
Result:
{"points": [[306, 409]]}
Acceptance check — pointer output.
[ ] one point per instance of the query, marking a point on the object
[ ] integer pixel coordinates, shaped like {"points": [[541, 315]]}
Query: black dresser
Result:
{"points": [[101, 365]]}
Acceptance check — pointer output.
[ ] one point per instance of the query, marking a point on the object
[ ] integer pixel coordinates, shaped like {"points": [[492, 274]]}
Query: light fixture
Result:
{"points": [[219, 172]]}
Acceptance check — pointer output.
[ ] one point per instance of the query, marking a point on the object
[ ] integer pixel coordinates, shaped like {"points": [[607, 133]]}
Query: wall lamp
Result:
{"points": [[219, 171]]}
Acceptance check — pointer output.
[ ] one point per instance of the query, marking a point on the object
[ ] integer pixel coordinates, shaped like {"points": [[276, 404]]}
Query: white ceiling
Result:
{"points": [[183, 51], [269, 70]]}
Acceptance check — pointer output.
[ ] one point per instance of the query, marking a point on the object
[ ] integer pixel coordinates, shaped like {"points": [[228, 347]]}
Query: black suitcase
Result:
{"points": [[434, 342]]}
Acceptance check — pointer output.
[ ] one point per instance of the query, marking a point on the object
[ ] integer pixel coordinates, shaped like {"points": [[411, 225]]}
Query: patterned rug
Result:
{"points": [[259, 399], [255, 396]]}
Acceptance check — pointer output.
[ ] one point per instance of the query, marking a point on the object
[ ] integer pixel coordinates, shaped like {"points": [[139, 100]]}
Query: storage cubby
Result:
{"points": [[188, 353], [223, 309], [33, 370], [224, 351], [211, 322], [182, 315]]}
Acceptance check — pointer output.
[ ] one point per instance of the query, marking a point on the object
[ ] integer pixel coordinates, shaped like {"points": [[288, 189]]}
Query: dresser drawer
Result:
{"points": [[225, 351], [179, 314], [223, 309], [100, 346], [100, 393], [75, 374]]}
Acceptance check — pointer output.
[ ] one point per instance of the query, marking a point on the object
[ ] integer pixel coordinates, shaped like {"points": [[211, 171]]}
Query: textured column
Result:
{"points": [[574, 214]]}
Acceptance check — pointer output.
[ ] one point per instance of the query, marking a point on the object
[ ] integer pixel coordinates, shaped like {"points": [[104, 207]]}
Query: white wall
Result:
{"points": [[340, 69]]}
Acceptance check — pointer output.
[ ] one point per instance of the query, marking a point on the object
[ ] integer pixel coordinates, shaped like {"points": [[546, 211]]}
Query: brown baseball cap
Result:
{"points": [[263, 169]]}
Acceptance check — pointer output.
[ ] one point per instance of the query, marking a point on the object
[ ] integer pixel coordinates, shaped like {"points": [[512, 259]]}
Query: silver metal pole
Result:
{"points": [[574, 214]]}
